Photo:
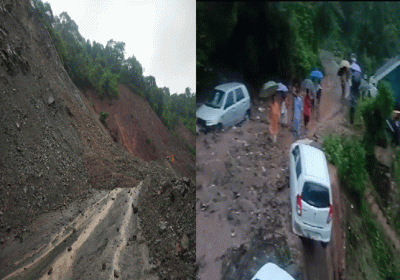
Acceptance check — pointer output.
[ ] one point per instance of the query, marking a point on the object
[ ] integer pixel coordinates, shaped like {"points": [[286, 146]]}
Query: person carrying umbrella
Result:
{"points": [[354, 90], [344, 73]]}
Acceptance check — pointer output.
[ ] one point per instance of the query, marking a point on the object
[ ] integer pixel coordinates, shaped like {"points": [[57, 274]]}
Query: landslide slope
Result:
{"points": [[134, 125], [53, 148]]}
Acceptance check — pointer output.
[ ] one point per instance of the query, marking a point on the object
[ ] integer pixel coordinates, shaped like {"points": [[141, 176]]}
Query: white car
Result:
{"points": [[271, 271], [310, 193], [227, 105]]}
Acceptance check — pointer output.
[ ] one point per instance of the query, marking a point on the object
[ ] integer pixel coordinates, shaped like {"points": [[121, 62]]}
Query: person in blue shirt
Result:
{"points": [[297, 108]]}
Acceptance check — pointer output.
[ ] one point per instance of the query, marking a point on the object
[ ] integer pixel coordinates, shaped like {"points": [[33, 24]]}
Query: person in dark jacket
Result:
{"points": [[354, 90]]}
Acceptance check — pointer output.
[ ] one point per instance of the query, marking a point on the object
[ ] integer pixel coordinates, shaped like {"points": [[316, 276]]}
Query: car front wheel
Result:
{"points": [[247, 115]]}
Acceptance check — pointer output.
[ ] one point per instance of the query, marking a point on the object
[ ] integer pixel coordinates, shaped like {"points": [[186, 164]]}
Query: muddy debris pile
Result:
{"points": [[169, 225]]}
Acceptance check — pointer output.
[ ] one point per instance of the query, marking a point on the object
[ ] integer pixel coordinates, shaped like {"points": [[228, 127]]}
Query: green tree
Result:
{"points": [[374, 114], [114, 54]]}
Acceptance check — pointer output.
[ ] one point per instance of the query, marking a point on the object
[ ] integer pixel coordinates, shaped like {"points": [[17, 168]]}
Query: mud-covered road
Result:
{"points": [[243, 205], [97, 239]]}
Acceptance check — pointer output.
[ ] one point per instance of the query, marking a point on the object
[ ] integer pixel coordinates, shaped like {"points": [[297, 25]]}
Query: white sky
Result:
{"points": [[161, 34]]}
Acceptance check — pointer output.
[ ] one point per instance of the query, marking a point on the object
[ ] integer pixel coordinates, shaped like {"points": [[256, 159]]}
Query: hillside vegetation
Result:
{"points": [[92, 65], [257, 42]]}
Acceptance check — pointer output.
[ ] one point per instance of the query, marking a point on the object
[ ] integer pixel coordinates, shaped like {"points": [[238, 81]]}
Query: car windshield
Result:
{"points": [[315, 195], [216, 98]]}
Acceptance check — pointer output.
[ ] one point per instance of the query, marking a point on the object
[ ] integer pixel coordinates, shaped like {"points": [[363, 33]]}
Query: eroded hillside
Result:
{"points": [[55, 153]]}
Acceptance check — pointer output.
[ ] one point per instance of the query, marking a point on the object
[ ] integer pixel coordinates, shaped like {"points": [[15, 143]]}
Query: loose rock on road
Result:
{"points": [[97, 239]]}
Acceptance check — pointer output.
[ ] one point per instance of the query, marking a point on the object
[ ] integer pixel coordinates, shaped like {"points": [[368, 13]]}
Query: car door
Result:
{"points": [[229, 110], [240, 104], [295, 172]]}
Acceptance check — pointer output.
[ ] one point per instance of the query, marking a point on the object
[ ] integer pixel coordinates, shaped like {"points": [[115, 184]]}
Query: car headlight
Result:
{"points": [[211, 122]]}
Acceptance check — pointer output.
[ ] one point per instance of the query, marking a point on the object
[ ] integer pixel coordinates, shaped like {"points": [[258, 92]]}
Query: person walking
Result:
{"points": [[275, 115], [344, 73], [297, 106], [307, 109], [284, 111], [355, 85], [319, 93]]}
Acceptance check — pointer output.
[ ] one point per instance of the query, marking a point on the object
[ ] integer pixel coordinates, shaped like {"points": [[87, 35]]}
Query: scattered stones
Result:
{"points": [[51, 101], [185, 242], [204, 207], [186, 181], [133, 238], [163, 227]]}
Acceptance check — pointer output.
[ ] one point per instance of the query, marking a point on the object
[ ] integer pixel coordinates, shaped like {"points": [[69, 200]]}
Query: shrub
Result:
{"points": [[381, 251], [103, 116], [374, 114], [349, 157]]}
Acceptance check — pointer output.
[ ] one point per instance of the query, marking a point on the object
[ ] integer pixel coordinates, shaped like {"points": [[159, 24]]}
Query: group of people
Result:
{"points": [[301, 108], [351, 74]]}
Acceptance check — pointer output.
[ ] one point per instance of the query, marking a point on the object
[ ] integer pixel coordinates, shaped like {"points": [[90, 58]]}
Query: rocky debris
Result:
{"points": [[163, 227], [185, 242], [51, 101], [50, 163], [169, 225]]}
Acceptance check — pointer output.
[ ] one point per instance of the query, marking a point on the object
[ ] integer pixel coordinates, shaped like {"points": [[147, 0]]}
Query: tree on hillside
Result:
{"points": [[150, 82], [132, 75], [187, 91], [114, 55], [93, 65]]}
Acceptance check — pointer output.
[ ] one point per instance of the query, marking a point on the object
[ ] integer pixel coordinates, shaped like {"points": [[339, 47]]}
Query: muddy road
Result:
{"points": [[243, 205], [99, 238]]}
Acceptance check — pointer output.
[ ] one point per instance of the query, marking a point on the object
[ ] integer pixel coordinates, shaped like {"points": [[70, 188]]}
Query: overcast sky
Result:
{"points": [[161, 34]]}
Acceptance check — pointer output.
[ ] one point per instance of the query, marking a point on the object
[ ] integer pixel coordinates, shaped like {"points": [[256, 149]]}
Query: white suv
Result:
{"points": [[227, 105], [310, 193]]}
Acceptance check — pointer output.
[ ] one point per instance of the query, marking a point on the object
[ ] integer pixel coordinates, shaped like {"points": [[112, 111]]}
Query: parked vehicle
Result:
{"points": [[271, 271], [227, 105], [310, 193]]}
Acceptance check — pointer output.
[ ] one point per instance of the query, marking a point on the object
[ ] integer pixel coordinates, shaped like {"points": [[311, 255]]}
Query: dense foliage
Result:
{"points": [[280, 41], [349, 157], [374, 113], [103, 67]]}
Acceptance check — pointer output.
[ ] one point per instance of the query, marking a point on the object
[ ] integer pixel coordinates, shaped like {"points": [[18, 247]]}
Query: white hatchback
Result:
{"points": [[227, 105], [310, 193], [271, 271]]}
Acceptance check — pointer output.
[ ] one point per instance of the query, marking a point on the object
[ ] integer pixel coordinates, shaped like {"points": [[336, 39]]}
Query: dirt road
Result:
{"points": [[99, 239], [243, 205]]}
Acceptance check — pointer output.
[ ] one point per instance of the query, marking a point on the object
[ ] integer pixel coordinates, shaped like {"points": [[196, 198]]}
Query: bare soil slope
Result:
{"points": [[54, 152], [134, 125]]}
